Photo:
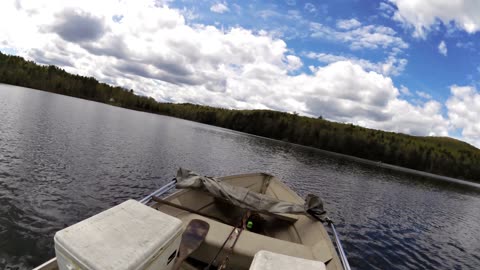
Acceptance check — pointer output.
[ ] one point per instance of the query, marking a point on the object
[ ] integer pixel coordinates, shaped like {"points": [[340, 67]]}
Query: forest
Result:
{"points": [[438, 155]]}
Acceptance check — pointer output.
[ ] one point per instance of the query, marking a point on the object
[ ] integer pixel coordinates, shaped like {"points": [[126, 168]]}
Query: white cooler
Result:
{"points": [[129, 236], [266, 260]]}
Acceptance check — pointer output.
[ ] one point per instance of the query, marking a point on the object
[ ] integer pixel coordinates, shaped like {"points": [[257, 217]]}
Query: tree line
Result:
{"points": [[439, 155]]}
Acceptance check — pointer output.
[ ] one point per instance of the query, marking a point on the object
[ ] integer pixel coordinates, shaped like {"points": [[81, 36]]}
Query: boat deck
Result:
{"points": [[294, 235], [288, 234]]}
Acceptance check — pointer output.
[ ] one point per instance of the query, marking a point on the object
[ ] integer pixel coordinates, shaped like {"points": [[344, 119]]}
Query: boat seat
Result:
{"points": [[248, 244]]}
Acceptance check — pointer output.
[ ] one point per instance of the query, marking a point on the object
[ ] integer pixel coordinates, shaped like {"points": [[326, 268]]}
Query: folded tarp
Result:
{"points": [[245, 198]]}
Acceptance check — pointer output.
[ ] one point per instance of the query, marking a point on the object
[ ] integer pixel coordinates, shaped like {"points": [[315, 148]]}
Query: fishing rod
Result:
{"points": [[343, 256]]}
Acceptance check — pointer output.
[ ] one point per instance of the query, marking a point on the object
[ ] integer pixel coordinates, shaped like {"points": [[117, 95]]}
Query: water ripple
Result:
{"points": [[64, 159]]}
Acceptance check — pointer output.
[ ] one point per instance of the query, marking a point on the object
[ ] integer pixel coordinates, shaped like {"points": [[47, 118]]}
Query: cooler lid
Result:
{"points": [[266, 260], [123, 237]]}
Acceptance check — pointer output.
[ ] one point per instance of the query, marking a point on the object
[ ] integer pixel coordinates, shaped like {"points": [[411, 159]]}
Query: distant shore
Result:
{"points": [[410, 171], [376, 163]]}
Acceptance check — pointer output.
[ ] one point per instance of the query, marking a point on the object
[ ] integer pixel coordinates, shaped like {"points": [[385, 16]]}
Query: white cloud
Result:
{"points": [[294, 62], [291, 2], [370, 99], [287, 25], [345, 92], [310, 8], [416, 119], [386, 10], [391, 66], [219, 8], [423, 95], [405, 91], [442, 48], [469, 45], [268, 13], [360, 37], [422, 15], [464, 111], [154, 51], [348, 24]]}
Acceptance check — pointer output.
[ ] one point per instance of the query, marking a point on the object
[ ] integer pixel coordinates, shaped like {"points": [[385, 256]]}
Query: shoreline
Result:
{"points": [[379, 164], [413, 172], [469, 183]]}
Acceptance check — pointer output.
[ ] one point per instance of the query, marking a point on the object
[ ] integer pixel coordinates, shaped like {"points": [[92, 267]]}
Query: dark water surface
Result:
{"points": [[64, 159]]}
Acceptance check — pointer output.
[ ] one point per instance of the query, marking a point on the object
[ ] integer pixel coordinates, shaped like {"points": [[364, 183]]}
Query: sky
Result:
{"points": [[410, 66]]}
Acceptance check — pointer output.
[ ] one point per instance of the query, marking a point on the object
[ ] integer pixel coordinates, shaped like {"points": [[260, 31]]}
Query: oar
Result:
{"points": [[192, 238]]}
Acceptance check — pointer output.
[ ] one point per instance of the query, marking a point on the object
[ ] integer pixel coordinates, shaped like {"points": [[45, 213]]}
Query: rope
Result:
{"points": [[241, 227], [224, 263]]}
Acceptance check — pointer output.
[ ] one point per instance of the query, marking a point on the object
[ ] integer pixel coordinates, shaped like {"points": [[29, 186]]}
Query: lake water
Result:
{"points": [[64, 159]]}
